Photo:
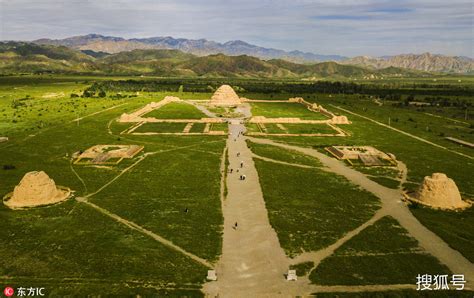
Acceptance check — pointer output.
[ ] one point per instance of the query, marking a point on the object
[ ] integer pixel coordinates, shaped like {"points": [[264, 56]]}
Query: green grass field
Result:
{"points": [[72, 248], [160, 127], [159, 189], [456, 228], [421, 159], [219, 127], [284, 128], [283, 155], [48, 246], [384, 253], [176, 110], [283, 109], [309, 208]]}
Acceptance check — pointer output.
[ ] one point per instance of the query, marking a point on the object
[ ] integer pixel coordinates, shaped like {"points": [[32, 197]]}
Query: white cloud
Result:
{"points": [[364, 27]]}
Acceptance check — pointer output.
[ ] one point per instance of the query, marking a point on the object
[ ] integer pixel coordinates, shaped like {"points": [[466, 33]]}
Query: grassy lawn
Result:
{"points": [[198, 127], [281, 154], [390, 172], [421, 159], [252, 127], [73, 241], [422, 122], [219, 127], [71, 249], [456, 228], [176, 110], [388, 182], [287, 128], [158, 190], [309, 128], [284, 109], [161, 127], [384, 253], [309, 208]]}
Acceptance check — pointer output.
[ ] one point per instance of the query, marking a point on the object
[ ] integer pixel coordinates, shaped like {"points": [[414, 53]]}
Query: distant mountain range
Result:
{"points": [[199, 47], [202, 47], [22, 57]]}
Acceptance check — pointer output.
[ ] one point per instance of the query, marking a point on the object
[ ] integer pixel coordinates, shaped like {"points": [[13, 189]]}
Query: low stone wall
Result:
{"points": [[136, 116], [263, 119]]}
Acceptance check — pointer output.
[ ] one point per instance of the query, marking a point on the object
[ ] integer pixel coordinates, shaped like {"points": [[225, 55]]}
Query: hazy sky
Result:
{"points": [[351, 28]]}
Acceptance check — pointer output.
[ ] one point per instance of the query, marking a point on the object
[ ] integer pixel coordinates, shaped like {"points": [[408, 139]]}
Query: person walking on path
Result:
{"points": [[241, 164]]}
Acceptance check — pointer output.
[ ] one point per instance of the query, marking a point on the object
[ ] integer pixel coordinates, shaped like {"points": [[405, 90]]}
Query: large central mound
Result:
{"points": [[439, 191], [225, 95], [36, 189]]}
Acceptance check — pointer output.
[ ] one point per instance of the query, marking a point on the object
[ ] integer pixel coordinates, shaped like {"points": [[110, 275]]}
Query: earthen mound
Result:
{"points": [[225, 95], [439, 191], [340, 120], [36, 189]]}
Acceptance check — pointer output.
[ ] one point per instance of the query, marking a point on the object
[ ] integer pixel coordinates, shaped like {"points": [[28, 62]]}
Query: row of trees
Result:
{"points": [[273, 86]]}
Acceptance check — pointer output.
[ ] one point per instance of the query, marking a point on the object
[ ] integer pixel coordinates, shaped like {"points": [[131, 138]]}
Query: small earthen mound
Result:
{"points": [[439, 191], [36, 189], [340, 120], [225, 95]]}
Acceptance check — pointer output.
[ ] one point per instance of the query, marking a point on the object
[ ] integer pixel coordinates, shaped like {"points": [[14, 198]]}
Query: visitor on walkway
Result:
{"points": [[231, 170], [241, 164], [238, 154], [243, 177], [235, 225]]}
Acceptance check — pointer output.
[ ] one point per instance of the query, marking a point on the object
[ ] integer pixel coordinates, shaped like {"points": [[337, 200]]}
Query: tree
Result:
{"points": [[102, 93]]}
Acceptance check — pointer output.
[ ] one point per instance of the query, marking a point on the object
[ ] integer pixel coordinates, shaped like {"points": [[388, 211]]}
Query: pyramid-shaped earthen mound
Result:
{"points": [[439, 191], [225, 95], [36, 189]]}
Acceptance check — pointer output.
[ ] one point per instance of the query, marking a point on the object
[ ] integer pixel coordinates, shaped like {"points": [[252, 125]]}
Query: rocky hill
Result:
{"points": [[423, 62]]}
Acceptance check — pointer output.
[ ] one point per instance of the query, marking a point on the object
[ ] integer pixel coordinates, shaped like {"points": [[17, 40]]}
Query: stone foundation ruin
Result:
{"points": [[367, 155], [107, 154]]}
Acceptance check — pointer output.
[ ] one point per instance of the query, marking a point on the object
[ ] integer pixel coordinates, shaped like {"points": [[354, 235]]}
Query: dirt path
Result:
{"points": [[253, 263], [391, 201], [78, 177], [403, 132]]}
